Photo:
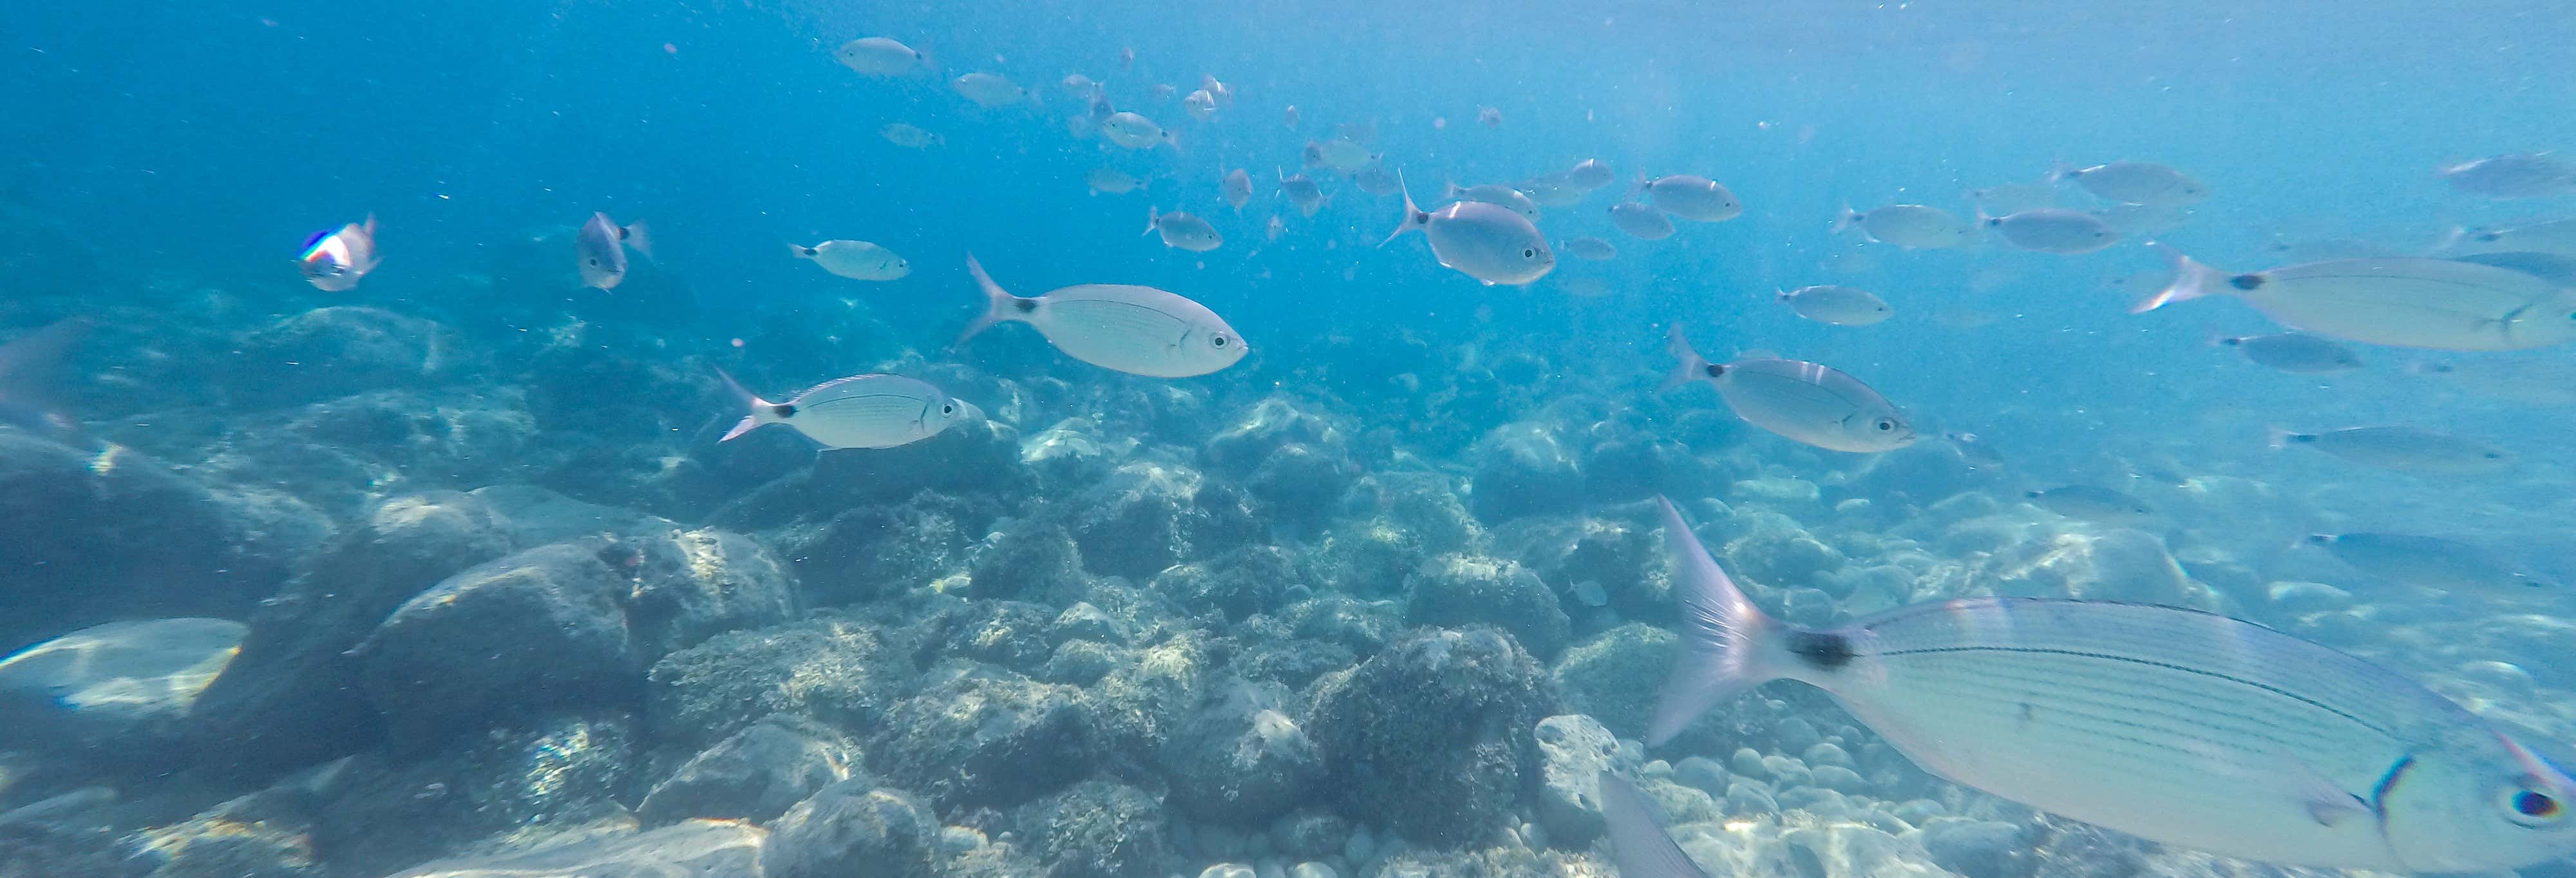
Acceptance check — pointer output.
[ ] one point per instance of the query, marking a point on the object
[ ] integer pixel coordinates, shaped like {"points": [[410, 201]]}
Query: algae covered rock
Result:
{"points": [[986, 736], [1433, 737], [1457, 590], [852, 828]]}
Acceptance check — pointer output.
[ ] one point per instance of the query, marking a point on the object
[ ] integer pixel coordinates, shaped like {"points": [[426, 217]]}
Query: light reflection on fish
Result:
{"points": [[334, 262]]}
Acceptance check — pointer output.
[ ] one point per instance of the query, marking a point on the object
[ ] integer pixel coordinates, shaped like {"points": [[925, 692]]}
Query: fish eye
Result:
{"points": [[1219, 341], [1529, 253], [594, 263], [2528, 806], [948, 409], [1885, 425]]}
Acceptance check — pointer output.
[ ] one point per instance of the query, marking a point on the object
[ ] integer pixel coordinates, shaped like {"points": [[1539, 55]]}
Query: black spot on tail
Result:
{"points": [[1822, 649], [1025, 305], [1716, 369], [2246, 281], [784, 410], [2301, 437]]}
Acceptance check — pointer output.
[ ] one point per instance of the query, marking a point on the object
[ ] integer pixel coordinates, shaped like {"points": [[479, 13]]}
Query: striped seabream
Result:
{"points": [[861, 411], [2178, 726], [1133, 329]]}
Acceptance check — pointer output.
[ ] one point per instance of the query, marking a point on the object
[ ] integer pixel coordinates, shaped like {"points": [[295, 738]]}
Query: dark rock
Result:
{"points": [[1618, 556], [1525, 468], [1241, 761], [1360, 626], [869, 551], [841, 672], [1012, 634], [1083, 662], [986, 737], [1432, 738], [1148, 516], [685, 586], [852, 828], [1273, 424], [534, 630], [1302, 485], [1030, 559], [1614, 677], [1458, 590], [563, 771], [1141, 705], [972, 457], [1980, 848], [1239, 583], [1099, 829], [1267, 649], [755, 775]]}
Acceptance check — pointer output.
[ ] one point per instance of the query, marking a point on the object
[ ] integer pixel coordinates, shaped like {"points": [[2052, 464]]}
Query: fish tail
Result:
{"points": [[2192, 280], [370, 225], [799, 250], [2059, 170], [640, 237], [1692, 366], [760, 409], [1846, 219], [1153, 217], [1729, 645], [1414, 218], [999, 304], [2281, 438]]}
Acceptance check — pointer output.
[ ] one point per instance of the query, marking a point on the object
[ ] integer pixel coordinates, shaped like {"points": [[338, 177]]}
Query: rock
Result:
{"points": [[1311, 835], [1301, 485], [327, 353], [266, 834], [1072, 455], [539, 629], [1228, 870], [986, 737], [1777, 553], [1456, 590], [1619, 560], [1920, 474], [1623, 464], [697, 847], [1573, 751], [2114, 565], [688, 585], [2307, 597], [973, 457], [849, 828], [1142, 705], [841, 672], [1980, 848], [120, 689], [755, 775], [1839, 779], [1701, 773], [1525, 468], [1240, 761], [560, 771], [1239, 583], [1012, 634], [1082, 662], [1615, 676], [1360, 626], [1099, 829], [1313, 869], [1147, 516], [1082, 621], [1030, 559], [1432, 737], [1274, 423], [871, 551]]}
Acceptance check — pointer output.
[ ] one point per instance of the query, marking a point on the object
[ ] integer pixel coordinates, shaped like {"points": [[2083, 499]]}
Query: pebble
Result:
{"points": [[960, 839], [1360, 848], [1227, 870], [1748, 762], [1827, 753], [1701, 772], [1313, 870], [1787, 771], [1746, 797], [1840, 779]]}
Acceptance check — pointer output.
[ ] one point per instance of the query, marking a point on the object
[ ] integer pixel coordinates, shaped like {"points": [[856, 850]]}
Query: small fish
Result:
{"points": [[1361, 132], [856, 260], [27, 367], [2295, 352], [880, 56], [1221, 92], [1582, 286], [2012, 198], [1339, 154], [861, 411], [2407, 449], [1641, 220], [1488, 242], [909, 136], [989, 90], [1126, 58], [2141, 183], [1270, 231], [1588, 247], [2186, 728], [602, 247], [1183, 230], [1112, 181], [1806, 402], [2427, 562], [1691, 197], [1638, 842], [2538, 382], [2442, 304], [2097, 505], [1493, 193], [1301, 191], [1375, 180], [1289, 118], [1552, 190], [1237, 188], [2135, 220], [1078, 85], [2052, 230], [1975, 448], [1131, 329], [1490, 117], [2520, 175], [334, 262], [1200, 105], [1165, 91], [1911, 226], [1133, 131], [1589, 174], [1840, 306], [2553, 236]]}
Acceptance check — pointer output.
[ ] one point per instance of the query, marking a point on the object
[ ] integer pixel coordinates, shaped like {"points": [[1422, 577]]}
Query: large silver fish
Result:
{"points": [[1808, 402], [1133, 329], [1691, 197], [2431, 562], [2443, 304], [861, 411], [1488, 242], [2178, 726], [1638, 842]]}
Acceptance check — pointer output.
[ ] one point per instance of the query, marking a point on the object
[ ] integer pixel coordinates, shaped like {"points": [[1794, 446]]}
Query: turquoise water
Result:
{"points": [[491, 587]]}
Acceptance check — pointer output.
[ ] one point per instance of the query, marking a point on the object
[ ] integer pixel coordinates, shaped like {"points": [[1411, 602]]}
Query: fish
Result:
{"points": [[1488, 242], [2142, 183], [1165, 91], [880, 56], [1289, 118], [1301, 191], [2427, 562], [1375, 180], [1552, 190], [1270, 231], [334, 262], [2135, 220], [2182, 727], [601, 245], [989, 90], [1638, 843], [27, 367], [1133, 329], [2052, 230], [2012, 198], [1691, 197], [2441, 304], [1589, 174], [1641, 220], [1841, 306], [909, 136], [2295, 352], [1183, 230], [861, 411], [2559, 269], [1974, 448], [1078, 85], [1112, 181], [1911, 226], [1361, 132], [1134, 131], [1340, 154], [2518, 175], [2553, 236], [2406, 449], [2539, 382], [856, 260], [1126, 58], [1200, 105], [1493, 193], [1490, 117], [1588, 247], [1237, 188], [1805, 402], [2097, 505], [1221, 92]]}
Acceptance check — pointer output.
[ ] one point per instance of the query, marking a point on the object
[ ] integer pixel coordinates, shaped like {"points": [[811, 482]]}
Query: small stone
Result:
{"points": [[1840, 779], [1228, 870], [1312, 869], [1787, 771], [1701, 772], [1748, 762], [1980, 848], [1827, 753], [1743, 797]]}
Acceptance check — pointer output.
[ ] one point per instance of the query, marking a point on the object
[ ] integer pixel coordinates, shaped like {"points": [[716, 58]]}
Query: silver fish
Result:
{"points": [[1134, 131], [1589, 174], [1200, 105], [1490, 117], [856, 260], [1183, 230], [2097, 505], [1375, 180], [2295, 352], [1132, 329], [1552, 190], [2409, 449], [2553, 236], [1641, 220], [1841, 306], [2182, 727], [2142, 183], [1691, 197], [602, 247], [2519, 175], [2419, 303], [1112, 181], [908, 135], [1493, 193], [989, 90], [1301, 191], [1588, 247], [1237, 188], [1911, 226], [1340, 154], [1638, 842], [2428, 562], [880, 56], [1078, 85], [2052, 230], [1806, 402], [861, 411], [1488, 242], [334, 262], [1290, 117]]}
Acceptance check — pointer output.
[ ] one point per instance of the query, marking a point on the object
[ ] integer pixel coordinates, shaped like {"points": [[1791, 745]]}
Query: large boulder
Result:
{"points": [[117, 691], [1098, 829], [1573, 751], [1433, 737], [1458, 590], [1524, 468], [1241, 760], [535, 630], [986, 737], [845, 673], [755, 775], [853, 828], [1147, 516]]}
